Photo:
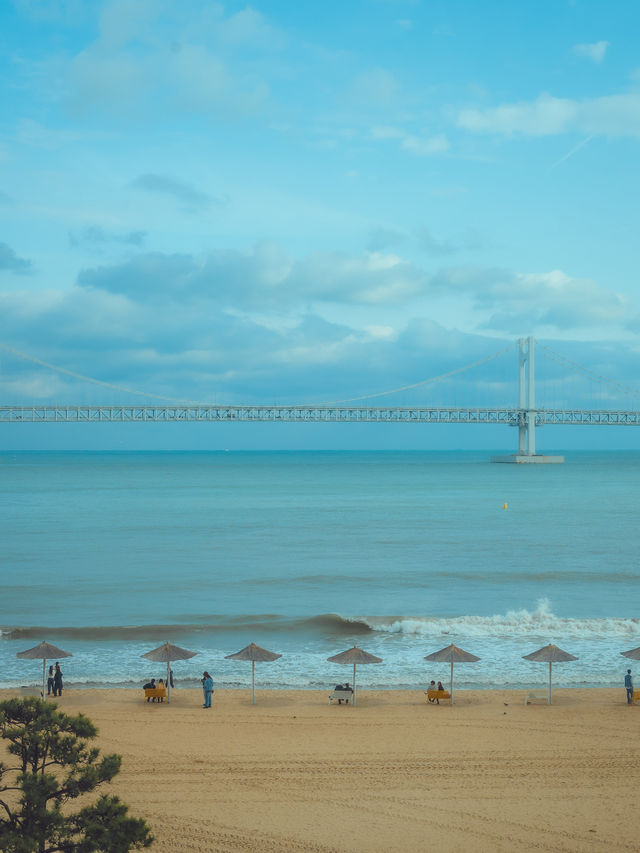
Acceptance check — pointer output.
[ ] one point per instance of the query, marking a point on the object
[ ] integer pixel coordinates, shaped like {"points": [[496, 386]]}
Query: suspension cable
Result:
{"points": [[419, 384], [89, 378], [603, 380], [126, 390]]}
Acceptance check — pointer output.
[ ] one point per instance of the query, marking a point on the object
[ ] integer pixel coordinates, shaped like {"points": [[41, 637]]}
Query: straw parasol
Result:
{"points": [[634, 654], [549, 654], [254, 653], [165, 654], [452, 654], [44, 651], [354, 656]]}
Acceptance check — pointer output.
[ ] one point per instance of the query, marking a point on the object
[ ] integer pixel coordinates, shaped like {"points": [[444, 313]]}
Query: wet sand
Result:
{"points": [[293, 773]]}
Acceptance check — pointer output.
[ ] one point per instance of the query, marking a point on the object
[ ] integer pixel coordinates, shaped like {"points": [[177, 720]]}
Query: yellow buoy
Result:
{"points": [[504, 506]]}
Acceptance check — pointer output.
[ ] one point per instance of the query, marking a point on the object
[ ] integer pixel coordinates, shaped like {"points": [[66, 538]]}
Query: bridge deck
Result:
{"points": [[334, 414]]}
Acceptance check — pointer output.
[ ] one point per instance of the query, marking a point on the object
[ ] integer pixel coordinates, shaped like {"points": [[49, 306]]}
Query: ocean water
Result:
{"points": [[108, 555]]}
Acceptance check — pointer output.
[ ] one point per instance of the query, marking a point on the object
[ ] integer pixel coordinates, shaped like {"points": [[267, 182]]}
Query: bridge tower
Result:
{"points": [[527, 409], [526, 397]]}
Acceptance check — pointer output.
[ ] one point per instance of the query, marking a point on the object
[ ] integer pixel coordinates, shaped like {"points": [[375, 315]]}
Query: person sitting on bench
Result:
{"points": [[150, 685], [343, 687]]}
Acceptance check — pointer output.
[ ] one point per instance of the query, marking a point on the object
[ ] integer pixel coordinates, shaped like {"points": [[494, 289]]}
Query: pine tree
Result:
{"points": [[51, 766]]}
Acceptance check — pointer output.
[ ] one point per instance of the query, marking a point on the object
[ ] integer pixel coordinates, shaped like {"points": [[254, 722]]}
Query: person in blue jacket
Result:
{"points": [[207, 688], [628, 683]]}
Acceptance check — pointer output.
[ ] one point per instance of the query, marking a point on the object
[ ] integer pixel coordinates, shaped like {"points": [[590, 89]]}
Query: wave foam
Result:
{"points": [[514, 623]]}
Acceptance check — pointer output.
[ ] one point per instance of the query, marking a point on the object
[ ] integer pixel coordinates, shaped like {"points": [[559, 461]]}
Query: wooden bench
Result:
{"points": [[636, 695], [153, 693], [531, 695], [340, 695], [433, 695]]}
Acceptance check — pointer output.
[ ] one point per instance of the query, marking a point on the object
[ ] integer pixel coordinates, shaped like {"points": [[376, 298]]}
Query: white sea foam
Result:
{"points": [[513, 624]]}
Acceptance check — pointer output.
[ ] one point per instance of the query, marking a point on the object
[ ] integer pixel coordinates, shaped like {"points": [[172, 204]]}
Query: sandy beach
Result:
{"points": [[393, 774]]}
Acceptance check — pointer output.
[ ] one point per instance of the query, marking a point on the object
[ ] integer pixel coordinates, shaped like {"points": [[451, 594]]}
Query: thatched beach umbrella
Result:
{"points": [[167, 653], [354, 656], [550, 654], [44, 651], [634, 654], [254, 653], [452, 654]]}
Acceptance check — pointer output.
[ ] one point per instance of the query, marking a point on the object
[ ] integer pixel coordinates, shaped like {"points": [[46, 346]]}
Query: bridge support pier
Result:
{"points": [[527, 410]]}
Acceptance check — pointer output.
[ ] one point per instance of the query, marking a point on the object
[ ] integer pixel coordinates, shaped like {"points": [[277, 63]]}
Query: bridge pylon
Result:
{"points": [[527, 409]]}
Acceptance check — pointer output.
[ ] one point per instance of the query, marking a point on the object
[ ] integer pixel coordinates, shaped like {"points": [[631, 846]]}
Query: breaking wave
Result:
{"points": [[512, 624], [515, 623]]}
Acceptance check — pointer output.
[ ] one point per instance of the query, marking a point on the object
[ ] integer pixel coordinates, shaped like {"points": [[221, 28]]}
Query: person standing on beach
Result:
{"points": [[628, 683], [207, 688], [57, 681], [50, 682]]}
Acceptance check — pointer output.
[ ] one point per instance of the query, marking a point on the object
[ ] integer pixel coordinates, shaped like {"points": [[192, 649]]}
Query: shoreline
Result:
{"points": [[294, 773], [193, 684]]}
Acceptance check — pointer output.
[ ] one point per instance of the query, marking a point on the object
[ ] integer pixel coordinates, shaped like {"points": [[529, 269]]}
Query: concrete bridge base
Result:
{"points": [[527, 459]]}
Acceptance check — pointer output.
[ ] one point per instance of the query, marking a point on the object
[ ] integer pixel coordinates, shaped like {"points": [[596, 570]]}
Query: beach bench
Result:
{"points": [[340, 695], [432, 695], [531, 695], [153, 693], [636, 695]]}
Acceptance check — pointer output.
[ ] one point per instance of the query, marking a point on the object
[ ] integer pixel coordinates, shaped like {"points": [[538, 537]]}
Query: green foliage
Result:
{"points": [[55, 765]]}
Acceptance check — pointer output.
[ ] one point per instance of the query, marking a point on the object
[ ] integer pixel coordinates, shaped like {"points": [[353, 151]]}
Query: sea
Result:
{"points": [[108, 555]]}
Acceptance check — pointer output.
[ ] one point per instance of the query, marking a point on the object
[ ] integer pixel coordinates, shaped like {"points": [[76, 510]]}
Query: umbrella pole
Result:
{"points": [[451, 683], [354, 684], [253, 682], [44, 667], [168, 683], [550, 682]]}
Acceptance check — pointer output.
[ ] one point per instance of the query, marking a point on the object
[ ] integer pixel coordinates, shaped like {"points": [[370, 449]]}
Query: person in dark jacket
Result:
{"points": [[50, 681], [628, 683], [57, 680]]}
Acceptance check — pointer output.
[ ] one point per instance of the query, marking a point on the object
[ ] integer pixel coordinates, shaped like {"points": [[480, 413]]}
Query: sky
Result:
{"points": [[314, 201]]}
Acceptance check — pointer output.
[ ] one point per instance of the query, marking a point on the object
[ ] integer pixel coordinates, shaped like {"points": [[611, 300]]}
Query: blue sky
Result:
{"points": [[302, 201]]}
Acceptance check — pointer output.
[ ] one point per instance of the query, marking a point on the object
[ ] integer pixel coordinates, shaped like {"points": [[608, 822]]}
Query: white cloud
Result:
{"points": [[386, 132], [32, 133], [143, 61], [513, 301], [421, 145], [249, 322], [610, 115], [121, 21], [546, 115], [594, 52], [387, 333], [372, 278], [70, 12], [250, 27], [377, 86], [425, 146]]}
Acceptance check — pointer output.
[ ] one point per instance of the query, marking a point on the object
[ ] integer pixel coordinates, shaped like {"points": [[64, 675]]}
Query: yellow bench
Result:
{"points": [[636, 695], [432, 695], [153, 693]]}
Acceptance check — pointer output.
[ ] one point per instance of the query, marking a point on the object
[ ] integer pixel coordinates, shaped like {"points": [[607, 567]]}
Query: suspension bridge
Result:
{"points": [[525, 415]]}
